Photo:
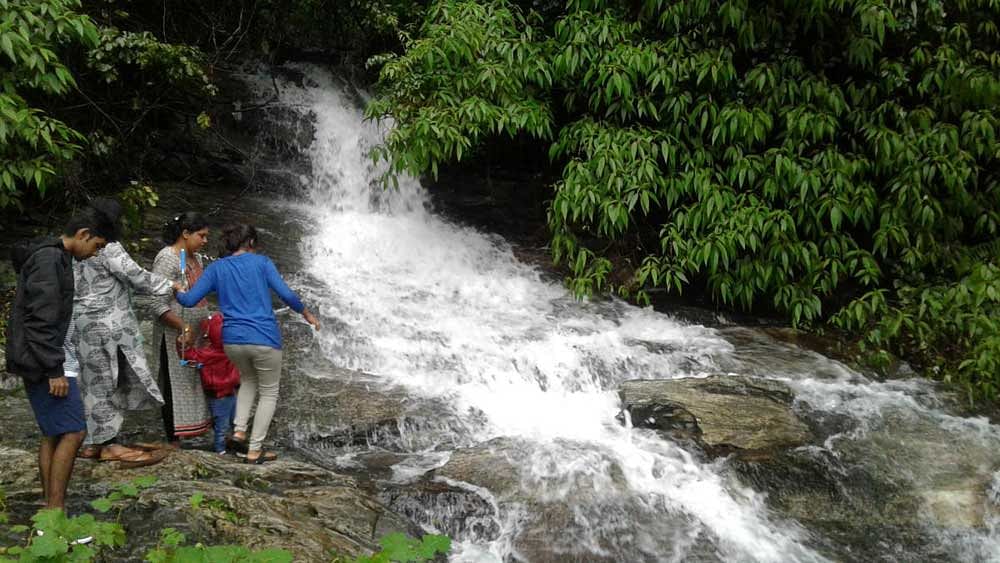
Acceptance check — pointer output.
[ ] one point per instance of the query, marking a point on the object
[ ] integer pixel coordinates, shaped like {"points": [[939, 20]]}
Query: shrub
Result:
{"points": [[825, 159]]}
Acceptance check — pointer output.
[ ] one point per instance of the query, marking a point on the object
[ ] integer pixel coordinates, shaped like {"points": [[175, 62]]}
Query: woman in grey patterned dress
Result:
{"points": [[114, 375], [185, 412]]}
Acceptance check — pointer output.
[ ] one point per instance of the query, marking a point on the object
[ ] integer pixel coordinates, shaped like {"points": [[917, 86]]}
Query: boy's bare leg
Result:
{"points": [[45, 451], [62, 467]]}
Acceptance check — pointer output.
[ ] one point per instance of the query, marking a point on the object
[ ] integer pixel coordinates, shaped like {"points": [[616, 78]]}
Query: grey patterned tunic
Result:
{"points": [[187, 398], [106, 331]]}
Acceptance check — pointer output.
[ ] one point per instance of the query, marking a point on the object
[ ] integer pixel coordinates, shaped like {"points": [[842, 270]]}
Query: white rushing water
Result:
{"points": [[448, 312]]}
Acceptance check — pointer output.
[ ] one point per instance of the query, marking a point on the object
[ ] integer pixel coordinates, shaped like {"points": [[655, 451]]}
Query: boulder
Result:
{"points": [[489, 493], [721, 413], [307, 510], [330, 410]]}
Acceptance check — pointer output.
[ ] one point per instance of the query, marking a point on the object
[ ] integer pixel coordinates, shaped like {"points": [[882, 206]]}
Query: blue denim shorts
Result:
{"points": [[56, 415]]}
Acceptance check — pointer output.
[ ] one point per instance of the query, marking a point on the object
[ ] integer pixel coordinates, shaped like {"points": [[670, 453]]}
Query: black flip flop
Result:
{"points": [[236, 445]]}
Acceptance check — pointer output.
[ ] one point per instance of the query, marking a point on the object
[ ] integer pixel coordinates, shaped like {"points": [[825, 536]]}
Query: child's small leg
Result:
{"points": [[218, 409], [231, 412]]}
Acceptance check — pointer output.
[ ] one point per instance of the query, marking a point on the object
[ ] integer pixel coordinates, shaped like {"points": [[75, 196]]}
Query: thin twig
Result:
{"points": [[100, 110]]}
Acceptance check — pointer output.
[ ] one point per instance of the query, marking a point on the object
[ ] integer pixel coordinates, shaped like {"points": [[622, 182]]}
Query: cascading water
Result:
{"points": [[448, 312]]}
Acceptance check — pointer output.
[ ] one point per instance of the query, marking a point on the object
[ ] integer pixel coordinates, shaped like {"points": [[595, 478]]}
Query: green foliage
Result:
{"points": [[33, 144], [171, 549], [953, 326], [3, 505], [446, 94], [136, 200], [123, 492], [55, 543], [404, 549], [162, 63], [828, 160], [352, 27], [129, 78], [216, 507]]}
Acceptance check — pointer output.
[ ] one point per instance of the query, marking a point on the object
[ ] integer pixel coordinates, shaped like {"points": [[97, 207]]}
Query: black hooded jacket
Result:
{"points": [[42, 309]]}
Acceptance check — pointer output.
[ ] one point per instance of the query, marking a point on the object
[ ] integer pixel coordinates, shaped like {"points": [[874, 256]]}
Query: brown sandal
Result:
{"points": [[89, 452], [151, 446], [131, 458], [149, 458]]}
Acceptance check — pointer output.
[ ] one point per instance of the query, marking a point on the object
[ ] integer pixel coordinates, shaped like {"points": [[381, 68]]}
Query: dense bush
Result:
{"points": [[32, 142], [832, 160], [93, 92], [78, 89]]}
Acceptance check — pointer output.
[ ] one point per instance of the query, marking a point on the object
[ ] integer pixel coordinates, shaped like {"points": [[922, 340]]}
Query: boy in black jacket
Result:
{"points": [[36, 335]]}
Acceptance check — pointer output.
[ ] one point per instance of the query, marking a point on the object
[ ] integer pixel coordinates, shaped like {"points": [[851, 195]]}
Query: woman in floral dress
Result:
{"points": [[114, 375], [185, 410]]}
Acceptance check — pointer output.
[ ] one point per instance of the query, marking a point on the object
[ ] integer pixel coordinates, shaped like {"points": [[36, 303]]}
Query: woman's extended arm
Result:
{"points": [[277, 283], [123, 267], [204, 286]]}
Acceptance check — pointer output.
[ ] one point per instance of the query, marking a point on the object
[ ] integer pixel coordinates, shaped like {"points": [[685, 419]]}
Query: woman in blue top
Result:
{"points": [[243, 281]]}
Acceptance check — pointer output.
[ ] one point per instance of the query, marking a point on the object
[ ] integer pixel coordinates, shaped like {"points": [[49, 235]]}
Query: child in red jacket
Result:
{"points": [[219, 378]]}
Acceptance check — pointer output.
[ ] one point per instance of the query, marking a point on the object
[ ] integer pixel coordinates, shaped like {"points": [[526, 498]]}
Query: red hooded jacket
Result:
{"points": [[219, 377]]}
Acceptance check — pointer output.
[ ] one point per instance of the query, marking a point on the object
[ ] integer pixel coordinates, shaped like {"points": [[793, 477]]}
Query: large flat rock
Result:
{"points": [[312, 512], [723, 413]]}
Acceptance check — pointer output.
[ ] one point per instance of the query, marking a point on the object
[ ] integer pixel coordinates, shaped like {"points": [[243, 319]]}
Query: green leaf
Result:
{"points": [[82, 553], [48, 546], [196, 500], [145, 481], [169, 537], [273, 556], [397, 547], [434, 544]]}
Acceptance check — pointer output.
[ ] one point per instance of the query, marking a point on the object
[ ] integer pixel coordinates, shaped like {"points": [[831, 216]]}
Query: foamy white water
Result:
{"points": [[448, 312]]}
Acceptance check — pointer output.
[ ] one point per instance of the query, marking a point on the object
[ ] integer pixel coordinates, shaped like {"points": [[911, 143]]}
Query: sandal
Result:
{"points": [[147, 458], [89, 452], [151, 446], [132, 458], [263, 458]]}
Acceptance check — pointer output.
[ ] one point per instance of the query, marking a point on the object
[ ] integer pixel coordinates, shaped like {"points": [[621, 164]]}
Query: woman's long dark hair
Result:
{"points": [[237, 236], [189, 221]]}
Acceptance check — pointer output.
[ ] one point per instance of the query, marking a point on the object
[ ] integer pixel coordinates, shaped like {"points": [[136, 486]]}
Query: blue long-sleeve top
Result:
{"points": [[244, 283]]}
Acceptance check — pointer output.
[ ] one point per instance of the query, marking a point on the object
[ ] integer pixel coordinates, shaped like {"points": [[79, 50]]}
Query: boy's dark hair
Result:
{"points": [[189, 221], [100, 218], [237, 236]]}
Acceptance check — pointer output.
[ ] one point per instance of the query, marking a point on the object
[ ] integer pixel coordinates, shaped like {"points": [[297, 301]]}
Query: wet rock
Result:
{"points": [[333, 408], [477, 495], [309, 511], [8, 383], [8, 282], [298, 506], [722, 413], [958, 505], [500, 492], [456, 509], [16, 418], [856, 506]]}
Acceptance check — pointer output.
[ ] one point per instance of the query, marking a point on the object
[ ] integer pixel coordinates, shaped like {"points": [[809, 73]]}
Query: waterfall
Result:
{"points": [[447, 311]]}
